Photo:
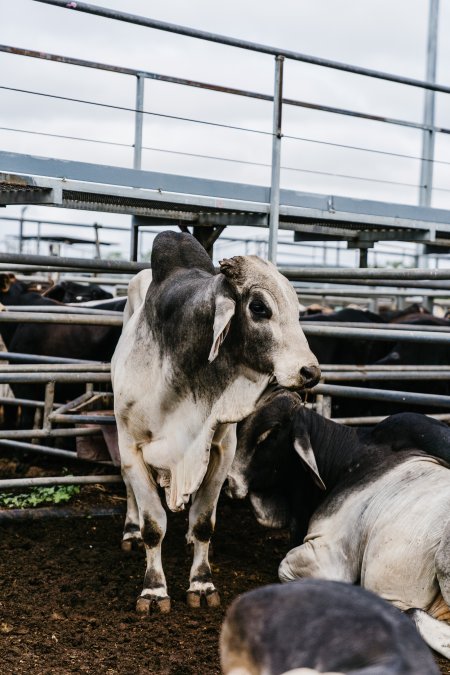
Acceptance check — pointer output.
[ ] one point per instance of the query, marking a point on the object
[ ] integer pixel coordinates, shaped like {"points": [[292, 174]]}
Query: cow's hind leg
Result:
{"points": [[202, 517], [132, 538], [433, 625], [152, 524]]}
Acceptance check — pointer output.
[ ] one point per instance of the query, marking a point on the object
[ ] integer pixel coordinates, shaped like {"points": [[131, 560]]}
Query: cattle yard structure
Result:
{"points": [[208, 206]]}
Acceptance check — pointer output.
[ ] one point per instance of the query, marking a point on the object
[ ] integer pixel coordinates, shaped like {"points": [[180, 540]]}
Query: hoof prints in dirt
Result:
{"points": [[68, 593]]}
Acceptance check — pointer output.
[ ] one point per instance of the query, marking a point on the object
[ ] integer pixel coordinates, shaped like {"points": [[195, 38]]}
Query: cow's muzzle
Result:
{"points": [[311, 376]]}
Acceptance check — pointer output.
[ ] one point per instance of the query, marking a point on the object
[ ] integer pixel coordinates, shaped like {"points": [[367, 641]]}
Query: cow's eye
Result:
{"points": [[260, 310]]}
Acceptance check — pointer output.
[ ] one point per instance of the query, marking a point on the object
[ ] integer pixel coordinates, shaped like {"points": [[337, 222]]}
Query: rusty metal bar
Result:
{"points": [[210, 87], [241, 44], [55, 368], [15, 515], [36, 358]]}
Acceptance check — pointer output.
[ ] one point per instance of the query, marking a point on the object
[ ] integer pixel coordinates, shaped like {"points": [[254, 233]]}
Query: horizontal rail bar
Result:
{"points": [[382, 334], [74, 263], [379, 326], [373, 376], [210, 87], [382, 395], [47, 450], [51, 433], [56, 309], [241, 44], [82, 419], [56, 368], [7, 484], [291, 272], [326, 273], [81, 319], [328, 368], [42, 378], [375, 419], [35, 358]]}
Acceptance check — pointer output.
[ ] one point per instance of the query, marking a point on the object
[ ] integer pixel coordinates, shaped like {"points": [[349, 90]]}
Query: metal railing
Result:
{"points": [[428, 127]]}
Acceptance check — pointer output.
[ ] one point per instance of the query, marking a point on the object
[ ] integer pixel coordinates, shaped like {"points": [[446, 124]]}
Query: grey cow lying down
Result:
{"points": [[316, 626], [196, 352], [371, 507]]}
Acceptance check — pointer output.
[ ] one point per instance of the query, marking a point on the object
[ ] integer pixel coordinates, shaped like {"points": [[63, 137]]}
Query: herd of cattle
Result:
{"points": [[205, 376]]}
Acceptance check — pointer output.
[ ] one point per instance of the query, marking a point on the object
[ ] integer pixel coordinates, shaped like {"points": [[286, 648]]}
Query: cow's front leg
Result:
{"points": [[202, 517], [152, 525]]}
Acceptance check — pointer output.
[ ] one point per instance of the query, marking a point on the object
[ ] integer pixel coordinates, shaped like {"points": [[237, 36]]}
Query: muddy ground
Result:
{"points": [[67, 595]]}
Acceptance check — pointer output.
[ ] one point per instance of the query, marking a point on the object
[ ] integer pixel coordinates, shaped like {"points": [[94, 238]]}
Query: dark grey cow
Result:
{"points": [[316, 626], [371, 507], [196, 352]]}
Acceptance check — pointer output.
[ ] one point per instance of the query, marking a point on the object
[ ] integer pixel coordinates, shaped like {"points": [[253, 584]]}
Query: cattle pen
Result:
{"points": [[58, 429]]}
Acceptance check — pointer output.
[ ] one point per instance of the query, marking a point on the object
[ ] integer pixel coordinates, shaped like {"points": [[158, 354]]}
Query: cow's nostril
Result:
{"points": [[311, 375]]}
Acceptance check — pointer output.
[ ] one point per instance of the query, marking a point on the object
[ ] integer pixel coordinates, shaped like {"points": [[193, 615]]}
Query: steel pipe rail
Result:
{"points": [[291, 272], [375, 419], [51, 452], [35, 358], [329, 368], [382, 334], [57, 58], [56, 309], [53, 262], [36, 317], [55, 368], [48, 481], [43, 378], [50, 433], [382, 395], [241, 44], [67, 418], [378, 326], [294, 273], [349, 376]]}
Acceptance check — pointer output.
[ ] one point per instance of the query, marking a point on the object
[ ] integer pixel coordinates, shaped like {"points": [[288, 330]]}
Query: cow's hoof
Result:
{"points": [[147, 605], [196, 599], [213, 599], [132, 544]]}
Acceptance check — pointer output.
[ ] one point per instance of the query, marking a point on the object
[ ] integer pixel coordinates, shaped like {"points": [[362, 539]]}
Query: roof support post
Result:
{"points": [[276, 158], [137, 157], [429, 135]]}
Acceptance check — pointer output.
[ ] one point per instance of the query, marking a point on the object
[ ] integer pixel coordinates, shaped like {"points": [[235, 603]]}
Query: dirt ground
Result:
{"points": [[67, 595]]}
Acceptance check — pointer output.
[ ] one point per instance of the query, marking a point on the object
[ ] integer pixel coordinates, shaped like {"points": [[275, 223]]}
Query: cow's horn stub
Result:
{"points": [[232, 268]]}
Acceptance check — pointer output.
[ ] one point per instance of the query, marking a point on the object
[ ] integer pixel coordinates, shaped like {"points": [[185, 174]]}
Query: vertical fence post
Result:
{"points": [[137, 157], [276, 157], [428, 135]]}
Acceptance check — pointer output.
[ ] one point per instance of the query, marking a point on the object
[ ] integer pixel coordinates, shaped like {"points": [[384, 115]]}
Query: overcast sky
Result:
{"points": [[388, 35]]}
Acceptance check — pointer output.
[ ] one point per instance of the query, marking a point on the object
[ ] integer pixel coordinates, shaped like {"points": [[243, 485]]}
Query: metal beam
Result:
{"points": [[428, 136]]}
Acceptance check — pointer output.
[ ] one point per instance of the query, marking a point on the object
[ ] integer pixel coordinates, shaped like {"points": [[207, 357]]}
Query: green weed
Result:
{"points": [[37, 496]]}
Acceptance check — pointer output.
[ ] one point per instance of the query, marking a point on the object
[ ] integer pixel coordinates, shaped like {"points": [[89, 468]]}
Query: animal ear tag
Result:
{"points": [[225, 309], [307, 456]]}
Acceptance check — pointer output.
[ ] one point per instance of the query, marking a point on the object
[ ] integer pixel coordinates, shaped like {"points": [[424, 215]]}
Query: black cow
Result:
{"points": [[316, 626], [86, 342], [69, 291], [370, 505]]}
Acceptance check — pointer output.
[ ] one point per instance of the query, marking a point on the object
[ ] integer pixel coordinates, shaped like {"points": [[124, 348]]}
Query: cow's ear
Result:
{"points": [[306, 454], [225, 309]]}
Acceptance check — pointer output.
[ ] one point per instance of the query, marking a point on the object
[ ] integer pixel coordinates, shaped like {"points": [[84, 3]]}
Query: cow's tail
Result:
{"points": [[435, 633]]}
